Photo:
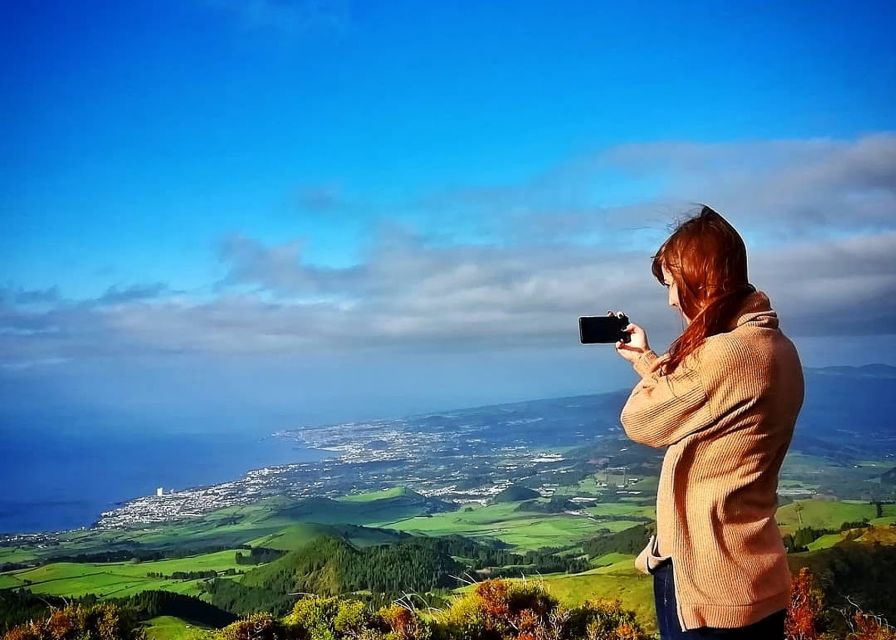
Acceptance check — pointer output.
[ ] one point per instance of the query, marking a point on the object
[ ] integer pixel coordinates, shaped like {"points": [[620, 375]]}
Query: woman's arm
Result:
{"points": [[662, 409]]}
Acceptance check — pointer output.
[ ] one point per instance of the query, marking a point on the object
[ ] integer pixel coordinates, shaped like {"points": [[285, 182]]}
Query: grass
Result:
{"points": [[371, 496], [825, 542], [233, 526], [609, 559], [829, 514], [617, 580], [15, 554], [117, 579], [622, 509], [277, 523], [295, 536], [521, 529], [632, 588], [171, 628]]}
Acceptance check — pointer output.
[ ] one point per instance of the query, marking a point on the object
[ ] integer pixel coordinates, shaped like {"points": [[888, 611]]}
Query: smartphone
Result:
{"points": [[603, 329]]}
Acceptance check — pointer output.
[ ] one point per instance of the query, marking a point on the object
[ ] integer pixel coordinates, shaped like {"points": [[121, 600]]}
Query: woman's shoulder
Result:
{"points": [[739, 346], [746, 352]]}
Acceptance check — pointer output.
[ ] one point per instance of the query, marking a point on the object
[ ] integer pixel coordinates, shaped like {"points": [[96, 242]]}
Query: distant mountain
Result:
{"points": [[876, 370], [861, 400], [888, 477]]}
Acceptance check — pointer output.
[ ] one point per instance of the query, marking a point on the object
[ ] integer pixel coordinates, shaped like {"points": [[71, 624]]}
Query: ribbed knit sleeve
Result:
{"points": [[663, 409], [645, 362]]}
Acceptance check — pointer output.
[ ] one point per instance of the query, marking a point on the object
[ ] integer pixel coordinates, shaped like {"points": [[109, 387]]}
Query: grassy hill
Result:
{"points": [[830, 514], [363, 542], [117, 579], [296, 536], [172, 628], [511, 523], [515, 493]]}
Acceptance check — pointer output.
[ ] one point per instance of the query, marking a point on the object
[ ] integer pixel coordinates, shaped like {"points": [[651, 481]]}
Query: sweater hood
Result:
{"points": [[756, 311]]}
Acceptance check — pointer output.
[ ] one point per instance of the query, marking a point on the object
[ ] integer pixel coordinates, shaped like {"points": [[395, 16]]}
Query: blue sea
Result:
{"points": [[52, 483]]}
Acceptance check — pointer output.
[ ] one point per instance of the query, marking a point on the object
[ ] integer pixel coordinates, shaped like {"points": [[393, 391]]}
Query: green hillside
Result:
{"points": [[515, 493], [510, 523], [118, 579], [830, 514], [172, 628]]}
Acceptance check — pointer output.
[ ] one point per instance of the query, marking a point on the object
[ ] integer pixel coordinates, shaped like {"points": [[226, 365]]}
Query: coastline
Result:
{"points": [[59, 490]]}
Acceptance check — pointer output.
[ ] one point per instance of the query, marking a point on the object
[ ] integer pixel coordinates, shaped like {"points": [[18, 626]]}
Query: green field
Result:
{"points": [[117, 579], [297, 535], [617, 580], [233, 526], [830, 514], [521, 529], [171, 628], [370, 496], [378, 518], [817, 473], [623, 509], [825, 541], [621, 580], [609, 559], [16, 554]]}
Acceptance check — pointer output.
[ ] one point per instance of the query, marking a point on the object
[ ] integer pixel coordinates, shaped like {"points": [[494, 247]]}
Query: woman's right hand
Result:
{"points": [[636, 346]]}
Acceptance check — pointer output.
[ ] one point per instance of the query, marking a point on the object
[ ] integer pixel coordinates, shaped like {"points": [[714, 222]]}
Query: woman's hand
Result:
{"points": [[636, 346]]}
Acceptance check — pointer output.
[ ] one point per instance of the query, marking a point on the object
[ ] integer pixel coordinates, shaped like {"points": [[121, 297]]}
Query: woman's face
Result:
{"points": [[669, 281]]}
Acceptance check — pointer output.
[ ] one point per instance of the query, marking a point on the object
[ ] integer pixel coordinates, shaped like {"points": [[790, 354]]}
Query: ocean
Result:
{"points": [[52, 483]]}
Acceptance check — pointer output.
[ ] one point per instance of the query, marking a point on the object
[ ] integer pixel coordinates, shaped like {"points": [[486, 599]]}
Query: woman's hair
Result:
{"points": [[708, 261]]}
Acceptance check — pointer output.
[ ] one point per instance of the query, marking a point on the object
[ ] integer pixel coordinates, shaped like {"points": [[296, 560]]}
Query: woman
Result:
{"points": [[724, 400]]}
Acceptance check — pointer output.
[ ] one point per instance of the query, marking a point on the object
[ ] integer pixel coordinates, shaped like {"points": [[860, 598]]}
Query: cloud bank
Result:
{"points": [[819, 217]]}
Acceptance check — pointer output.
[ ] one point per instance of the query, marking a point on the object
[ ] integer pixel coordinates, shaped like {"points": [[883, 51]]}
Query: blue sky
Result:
{"points": [[215, 203]]}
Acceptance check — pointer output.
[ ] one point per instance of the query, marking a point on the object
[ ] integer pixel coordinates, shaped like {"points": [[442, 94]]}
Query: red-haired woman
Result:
{"points": [[724, 401]]}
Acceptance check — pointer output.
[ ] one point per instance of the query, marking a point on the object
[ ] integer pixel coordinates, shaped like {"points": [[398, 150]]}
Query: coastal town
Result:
{"points": [[465, 457]]}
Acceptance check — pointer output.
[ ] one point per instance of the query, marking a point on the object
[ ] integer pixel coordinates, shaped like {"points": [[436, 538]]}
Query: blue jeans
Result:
{"points": [[769, 628]]}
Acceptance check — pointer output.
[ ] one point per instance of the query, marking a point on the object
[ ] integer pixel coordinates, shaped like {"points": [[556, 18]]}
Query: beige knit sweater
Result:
{"points": [[727, 415]]}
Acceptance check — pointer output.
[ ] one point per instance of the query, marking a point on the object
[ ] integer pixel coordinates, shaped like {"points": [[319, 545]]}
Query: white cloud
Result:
{"points": [[835, 275], [463, 297]]}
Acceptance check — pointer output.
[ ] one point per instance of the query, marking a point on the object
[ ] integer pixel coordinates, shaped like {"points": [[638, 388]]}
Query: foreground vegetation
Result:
{"points": [[277, 551], [490, 610], [494, 609]]}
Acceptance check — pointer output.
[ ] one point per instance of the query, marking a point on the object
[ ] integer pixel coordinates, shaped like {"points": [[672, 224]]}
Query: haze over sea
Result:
{"points": [[66, 481]]}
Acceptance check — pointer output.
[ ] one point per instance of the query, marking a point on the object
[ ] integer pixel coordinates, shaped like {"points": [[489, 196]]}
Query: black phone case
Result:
{"points": [[602, 329]]}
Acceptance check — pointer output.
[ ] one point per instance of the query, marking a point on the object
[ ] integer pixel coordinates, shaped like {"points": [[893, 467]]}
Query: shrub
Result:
{"points": [[504, 610], [601, 619], [327, 618], [867, 627], [804, 611], [258, 626], [98, 622], [401, 623]]}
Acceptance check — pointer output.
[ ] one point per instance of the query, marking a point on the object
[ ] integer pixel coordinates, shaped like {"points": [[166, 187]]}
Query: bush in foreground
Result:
{"points": [[492, 610], [809, 619], [502, 610], [96, 622]]}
